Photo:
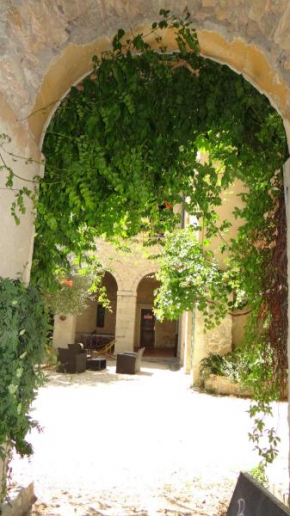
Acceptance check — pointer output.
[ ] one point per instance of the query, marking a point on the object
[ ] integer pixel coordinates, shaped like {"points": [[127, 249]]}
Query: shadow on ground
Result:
{"points": [[90, 378]]}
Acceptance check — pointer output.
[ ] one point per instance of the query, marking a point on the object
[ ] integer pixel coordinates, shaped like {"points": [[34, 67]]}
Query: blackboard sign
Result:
{"points": [[252, 499]]}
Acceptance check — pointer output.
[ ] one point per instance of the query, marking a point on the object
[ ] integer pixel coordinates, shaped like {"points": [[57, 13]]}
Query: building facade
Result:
{"points": [[130, 283]]}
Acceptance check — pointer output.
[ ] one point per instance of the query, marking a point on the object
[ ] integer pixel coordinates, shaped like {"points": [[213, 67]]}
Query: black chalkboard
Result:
{"points": [[252, 499]]}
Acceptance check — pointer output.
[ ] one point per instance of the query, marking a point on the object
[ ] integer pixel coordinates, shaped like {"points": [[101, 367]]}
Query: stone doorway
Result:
{"points": [[158, 338], [147, 328]]}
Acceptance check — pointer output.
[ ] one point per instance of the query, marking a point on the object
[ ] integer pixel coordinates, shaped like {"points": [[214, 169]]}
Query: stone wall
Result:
{"points": [[36, 34], [217, 341]]}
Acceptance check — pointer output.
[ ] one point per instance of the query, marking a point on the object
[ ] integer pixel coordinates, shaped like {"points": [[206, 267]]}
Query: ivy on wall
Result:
{"points": [[23, 336]]}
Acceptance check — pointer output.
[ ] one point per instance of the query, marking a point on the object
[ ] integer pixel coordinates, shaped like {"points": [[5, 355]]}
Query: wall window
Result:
{"points": [[101, 316]]}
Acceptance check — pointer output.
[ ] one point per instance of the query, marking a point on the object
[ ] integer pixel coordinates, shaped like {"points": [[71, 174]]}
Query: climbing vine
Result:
{"points": [[23, 335], [128, 138], [127, 141]]}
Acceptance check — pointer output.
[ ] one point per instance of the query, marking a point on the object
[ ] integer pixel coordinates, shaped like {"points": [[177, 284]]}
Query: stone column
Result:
{"points": [[188, 343], [217, 341], [64, 331], [200, 350], [16, 243], [125, 321], [181, 338], [185, 341]]}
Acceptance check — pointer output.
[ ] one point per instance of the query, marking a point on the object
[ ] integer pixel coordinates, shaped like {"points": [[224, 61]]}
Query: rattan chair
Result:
{"points": [[129, 362], [72, 359]]}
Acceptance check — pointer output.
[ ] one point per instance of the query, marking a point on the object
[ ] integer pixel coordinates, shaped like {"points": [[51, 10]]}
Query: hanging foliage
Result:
{"points": [[126, 141]]}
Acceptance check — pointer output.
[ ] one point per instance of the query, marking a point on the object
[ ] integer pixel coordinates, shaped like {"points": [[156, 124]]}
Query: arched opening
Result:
{"points": [[158, 338], [75, 63], [97, 324], [244, 58], [231, 62]]}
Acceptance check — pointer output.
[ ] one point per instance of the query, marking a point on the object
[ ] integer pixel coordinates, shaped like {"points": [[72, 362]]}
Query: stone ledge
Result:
{"points": [[223, 385], [20, 501]]}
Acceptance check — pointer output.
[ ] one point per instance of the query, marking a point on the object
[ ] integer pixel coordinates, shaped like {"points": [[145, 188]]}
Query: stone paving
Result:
{"points": [[146, 444]]}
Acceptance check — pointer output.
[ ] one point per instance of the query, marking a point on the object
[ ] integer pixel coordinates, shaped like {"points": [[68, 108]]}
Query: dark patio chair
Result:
{"points": [[129, 362], [72, 359]]}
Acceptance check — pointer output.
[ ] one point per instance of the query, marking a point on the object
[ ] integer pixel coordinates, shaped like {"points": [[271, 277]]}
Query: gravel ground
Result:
{"points": [[146, 444]]}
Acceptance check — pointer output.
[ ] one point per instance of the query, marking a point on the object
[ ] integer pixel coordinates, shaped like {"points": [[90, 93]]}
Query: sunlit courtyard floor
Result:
{"points": [[145, 444]]}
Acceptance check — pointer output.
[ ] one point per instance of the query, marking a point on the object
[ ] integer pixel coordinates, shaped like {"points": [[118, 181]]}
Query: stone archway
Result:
{"points": [[47, 48]]}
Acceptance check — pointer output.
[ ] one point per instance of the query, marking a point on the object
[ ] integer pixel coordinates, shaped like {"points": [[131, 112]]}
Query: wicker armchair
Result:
{"points": [[129, 362], [72, 359]]}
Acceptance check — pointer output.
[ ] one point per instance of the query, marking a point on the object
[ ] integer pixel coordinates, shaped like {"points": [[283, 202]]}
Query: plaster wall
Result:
{"points": [[87, 321], [125, 321], [188, 337], [238, 330], [181, 338], [64, 331], [165, 334]]}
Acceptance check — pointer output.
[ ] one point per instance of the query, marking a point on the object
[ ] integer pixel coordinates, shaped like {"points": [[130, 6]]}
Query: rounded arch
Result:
{"points": [[244, 58], [150, 279], [96, 323], [158, 338], [114, 278], [147, 271]]}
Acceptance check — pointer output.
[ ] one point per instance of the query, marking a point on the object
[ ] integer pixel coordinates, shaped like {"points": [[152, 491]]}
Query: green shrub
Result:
{"points": [[23, 336], [234, 365]]}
